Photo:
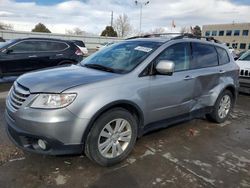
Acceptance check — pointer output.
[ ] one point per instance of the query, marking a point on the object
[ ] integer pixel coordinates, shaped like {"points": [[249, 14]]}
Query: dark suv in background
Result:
{"points": [[23, 55]]}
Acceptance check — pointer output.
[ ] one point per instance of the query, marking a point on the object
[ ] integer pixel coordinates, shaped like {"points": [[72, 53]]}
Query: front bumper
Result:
{"points": [[244, 85], [61, 130]]}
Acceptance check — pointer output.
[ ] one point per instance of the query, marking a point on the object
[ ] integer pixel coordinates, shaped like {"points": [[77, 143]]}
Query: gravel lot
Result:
{"points": [[192, 154]]}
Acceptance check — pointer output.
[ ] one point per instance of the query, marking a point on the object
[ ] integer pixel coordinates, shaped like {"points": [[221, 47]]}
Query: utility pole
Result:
{"points": [[141, 4], [111, 23]]}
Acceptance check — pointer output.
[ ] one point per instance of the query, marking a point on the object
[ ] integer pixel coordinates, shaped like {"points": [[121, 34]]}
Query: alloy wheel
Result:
{"points": [[114, 138], [224, 106]]}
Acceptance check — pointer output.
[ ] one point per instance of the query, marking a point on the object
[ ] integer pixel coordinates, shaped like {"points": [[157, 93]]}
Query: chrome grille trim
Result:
{"points": [[18, 95], [244, 73]]}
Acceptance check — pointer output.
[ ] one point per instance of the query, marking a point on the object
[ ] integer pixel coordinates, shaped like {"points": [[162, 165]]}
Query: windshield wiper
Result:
{"points": [[100, 67]]}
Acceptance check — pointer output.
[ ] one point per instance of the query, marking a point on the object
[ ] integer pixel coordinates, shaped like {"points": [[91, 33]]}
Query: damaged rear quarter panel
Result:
{"points": [[210, 82]]}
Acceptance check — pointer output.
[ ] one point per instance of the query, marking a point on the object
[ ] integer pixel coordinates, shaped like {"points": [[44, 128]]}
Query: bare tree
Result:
{"points": [[75, 31], [122, 25], [4, 26]]}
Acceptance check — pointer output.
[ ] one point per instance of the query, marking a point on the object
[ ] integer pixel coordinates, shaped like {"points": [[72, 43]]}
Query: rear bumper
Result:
{"points": [[244, 85]]}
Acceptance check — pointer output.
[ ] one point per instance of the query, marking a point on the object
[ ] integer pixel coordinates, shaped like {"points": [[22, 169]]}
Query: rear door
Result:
{"points": [[206, 72], [172, 96], [50, 53]]}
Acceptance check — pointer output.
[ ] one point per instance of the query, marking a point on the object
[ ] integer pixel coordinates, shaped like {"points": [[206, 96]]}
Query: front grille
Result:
{"points": [[245, 73], [18, 95]]}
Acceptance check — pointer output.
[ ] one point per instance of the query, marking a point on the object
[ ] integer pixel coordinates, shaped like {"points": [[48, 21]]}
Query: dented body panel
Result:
{"points": [[153, 97]]}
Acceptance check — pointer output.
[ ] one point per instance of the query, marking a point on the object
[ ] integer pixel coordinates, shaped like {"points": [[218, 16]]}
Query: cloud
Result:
{"points": [[94, 15]]}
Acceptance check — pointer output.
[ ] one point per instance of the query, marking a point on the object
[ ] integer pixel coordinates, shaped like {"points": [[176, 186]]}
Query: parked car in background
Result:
{"points": [[233, 52], [2, 40], [244, 64], [81, 45], [103, 45], [102, 105], [239, 54], [23, 55]]}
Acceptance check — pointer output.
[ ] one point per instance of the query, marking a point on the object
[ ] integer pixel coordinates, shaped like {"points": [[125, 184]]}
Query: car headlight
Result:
{"points": [[52, 101]]}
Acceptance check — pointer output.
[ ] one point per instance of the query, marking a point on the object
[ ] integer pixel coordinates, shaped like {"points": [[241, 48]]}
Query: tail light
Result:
{"points": [[79, 52]]}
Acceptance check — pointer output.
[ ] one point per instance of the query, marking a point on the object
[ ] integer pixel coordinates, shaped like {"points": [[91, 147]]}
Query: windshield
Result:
{"points": [[122, 57], [245, 56], [3, 44]]}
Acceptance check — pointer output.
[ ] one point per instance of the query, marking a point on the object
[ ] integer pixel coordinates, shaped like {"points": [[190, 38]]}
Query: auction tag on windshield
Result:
{"points": [[143, 49]]}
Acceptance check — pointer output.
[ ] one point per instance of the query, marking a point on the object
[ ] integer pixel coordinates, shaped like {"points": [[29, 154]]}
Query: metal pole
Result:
{"points": [[111, 19], [140, 17], [141, 4]]}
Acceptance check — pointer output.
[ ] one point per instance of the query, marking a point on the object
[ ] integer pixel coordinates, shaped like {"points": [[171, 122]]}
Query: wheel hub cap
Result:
{"points": [[224, 106], [114, 138]]}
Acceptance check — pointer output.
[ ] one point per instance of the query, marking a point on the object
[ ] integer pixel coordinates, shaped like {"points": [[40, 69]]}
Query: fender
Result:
{"points": [[118, 103]]}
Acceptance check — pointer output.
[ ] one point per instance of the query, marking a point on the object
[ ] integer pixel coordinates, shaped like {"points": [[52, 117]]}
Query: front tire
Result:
{"points": [[112, 137], [222, 107]]}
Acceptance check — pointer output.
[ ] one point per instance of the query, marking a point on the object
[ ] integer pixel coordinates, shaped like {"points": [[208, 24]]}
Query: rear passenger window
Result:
{"points": [[179, 54], [204, 56], [56, 46], [223, 56], [45, 46]]}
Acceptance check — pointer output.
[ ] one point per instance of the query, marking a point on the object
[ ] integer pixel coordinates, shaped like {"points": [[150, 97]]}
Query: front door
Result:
{"points": [[19, 58], [172, 96]]}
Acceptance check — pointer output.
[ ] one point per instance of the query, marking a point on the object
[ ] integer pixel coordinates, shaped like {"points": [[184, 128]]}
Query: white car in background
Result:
{"points": [[80, 44], [233, 52], [244, 64]]}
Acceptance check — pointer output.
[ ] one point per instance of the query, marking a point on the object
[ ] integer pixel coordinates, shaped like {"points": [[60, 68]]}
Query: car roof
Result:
{"points": [[168, 39], [187, 37], [43, 38], [161, 40], [77, 41]]}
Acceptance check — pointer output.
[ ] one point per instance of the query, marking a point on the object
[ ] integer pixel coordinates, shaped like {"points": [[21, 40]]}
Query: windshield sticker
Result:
{"points": [[143, 49]]}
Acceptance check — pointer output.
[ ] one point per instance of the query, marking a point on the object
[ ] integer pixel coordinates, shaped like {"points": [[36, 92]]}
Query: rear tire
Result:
{"points": [[222, 108], [112, 137]]}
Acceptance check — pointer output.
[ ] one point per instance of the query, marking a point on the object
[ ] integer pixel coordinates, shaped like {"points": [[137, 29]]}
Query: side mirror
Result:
{"points": [[165, 67], [8, 51]]}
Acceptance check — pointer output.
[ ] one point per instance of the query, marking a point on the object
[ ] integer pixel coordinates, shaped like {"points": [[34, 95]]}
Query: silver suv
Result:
{"points": [[101, 106]]}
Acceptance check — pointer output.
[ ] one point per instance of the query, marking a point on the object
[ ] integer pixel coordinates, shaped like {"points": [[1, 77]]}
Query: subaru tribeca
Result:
{"points": [[101, 106]]}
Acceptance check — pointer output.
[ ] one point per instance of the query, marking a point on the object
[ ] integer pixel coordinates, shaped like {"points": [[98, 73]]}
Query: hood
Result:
{"points": [[243, 64], [58, 79]]}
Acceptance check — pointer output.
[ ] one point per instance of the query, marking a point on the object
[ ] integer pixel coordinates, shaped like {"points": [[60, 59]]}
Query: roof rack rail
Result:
{"points": [[153, 35], [179, 36], [189, 35]]}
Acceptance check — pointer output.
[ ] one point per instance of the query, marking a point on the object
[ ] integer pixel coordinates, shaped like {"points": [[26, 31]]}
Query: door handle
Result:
{"points": [[222, 71], [32, 56], [59, 54], [188, 77]]}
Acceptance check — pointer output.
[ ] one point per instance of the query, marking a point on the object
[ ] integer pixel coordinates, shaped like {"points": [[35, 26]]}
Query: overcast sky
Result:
{"points": [[93, 15]]}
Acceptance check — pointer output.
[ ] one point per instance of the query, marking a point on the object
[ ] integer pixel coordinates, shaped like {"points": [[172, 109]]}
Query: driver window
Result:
{"points": [[179, 53], [26, 46]]}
